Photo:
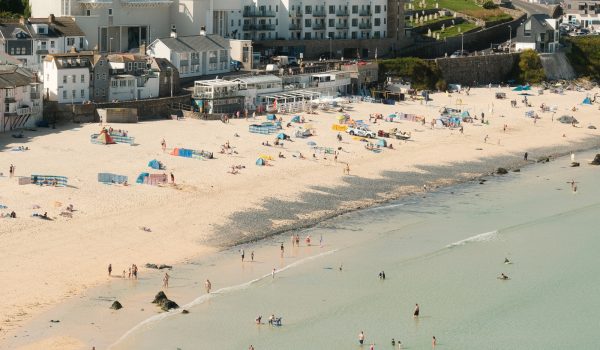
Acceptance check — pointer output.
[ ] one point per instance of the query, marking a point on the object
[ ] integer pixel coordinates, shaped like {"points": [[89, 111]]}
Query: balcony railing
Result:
{"points": [[296, 13], [365, 25], [318, 26], [294, 26], [259, 27], [34, 96], [342, 13], [258, 13], [319, 13], [341, 26], [364, 12], [146, 3], [23, 110], [95, 4]]}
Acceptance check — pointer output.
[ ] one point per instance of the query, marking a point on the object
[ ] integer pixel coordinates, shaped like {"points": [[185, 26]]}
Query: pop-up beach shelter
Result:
{"points": [[271, 117], [260, 162], [282, 136], [587, 101], [382, 143], [105, 138], [154, 164], [296, 119]]}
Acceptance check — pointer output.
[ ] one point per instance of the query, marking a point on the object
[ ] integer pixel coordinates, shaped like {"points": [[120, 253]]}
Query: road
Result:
{"points": [[531, 8]]}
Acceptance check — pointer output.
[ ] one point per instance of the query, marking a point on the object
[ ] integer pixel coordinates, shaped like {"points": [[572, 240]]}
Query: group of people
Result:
{"points": [[133, 272]]}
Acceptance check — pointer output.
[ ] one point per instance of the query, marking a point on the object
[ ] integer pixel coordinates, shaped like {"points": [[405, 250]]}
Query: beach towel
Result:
{"points": [[156, 179]]}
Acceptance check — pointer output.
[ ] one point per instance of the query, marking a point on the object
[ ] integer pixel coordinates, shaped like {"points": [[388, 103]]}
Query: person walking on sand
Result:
{"points": [[11, 171], [417, 311], [361, 337], [282, 249], [525, 156], [273, 273], [433, 342], [166, 280], [347, 169], [242, 254], [252, 256], [486, 138], [163, 145], [172, 178], [109, 269], [208, 286]]}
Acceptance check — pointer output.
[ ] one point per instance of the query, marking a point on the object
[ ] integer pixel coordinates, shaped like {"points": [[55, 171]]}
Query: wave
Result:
{"points": [[482, 237], [221, 291]]}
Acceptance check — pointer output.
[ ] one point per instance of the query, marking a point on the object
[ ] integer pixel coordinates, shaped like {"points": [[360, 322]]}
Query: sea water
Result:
{"points": [[444, 252]]}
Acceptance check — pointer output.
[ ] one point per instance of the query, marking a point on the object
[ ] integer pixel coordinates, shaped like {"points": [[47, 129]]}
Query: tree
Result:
{"points": [[420, 73], [530, 67], [15, 8]]}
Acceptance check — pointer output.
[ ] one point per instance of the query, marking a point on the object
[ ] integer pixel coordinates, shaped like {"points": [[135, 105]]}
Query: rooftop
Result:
{"points": [[12, 76], [196, 43]]}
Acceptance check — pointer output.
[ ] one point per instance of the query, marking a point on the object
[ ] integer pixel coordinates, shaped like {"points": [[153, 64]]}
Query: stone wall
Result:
{"points": [[474, 70], [156, 108]]}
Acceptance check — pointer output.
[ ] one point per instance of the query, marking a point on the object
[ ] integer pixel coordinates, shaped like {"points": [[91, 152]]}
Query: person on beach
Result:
{"points": [[361, 337], [11, 171], [123, 275], [282, 249], [109, 269], [242, 254], [129, 275], [163, 145], [433, 342], [258, 320], [372, 347], [208, 286], [251, 347], [382, 275], [172, 178], [308, 240], [134, 270], [503, 277], [485, 139], [166, 280], [525, 156], [416, 312], [297, 240], [273, 273], [252, 256], [347, 169]]}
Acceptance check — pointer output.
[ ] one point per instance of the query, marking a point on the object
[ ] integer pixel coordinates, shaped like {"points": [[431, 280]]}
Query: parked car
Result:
{"points": [[362, 132], [459, 53]]}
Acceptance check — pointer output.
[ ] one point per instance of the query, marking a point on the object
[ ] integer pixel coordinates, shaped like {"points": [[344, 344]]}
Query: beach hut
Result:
{"points": [[587, 101], [155, 164], [261, 162]]}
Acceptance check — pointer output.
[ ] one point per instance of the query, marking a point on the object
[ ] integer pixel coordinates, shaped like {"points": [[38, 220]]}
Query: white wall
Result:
{"points": [[69, 86], [524, 46]]}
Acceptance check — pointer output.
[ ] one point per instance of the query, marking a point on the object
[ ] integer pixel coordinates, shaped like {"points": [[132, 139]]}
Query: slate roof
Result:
{"points": [[197, 43], [11, 76]]}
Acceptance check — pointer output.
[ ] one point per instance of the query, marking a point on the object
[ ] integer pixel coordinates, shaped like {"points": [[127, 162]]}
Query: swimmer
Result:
{"points": [[503, 277], [433, 342], [416, 312], [341, 267], [382, 275], [361, 338], [258, 320], [506, 261]]}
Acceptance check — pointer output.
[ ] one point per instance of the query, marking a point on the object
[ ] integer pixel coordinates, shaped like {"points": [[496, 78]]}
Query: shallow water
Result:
{"points": [[443, 252]]}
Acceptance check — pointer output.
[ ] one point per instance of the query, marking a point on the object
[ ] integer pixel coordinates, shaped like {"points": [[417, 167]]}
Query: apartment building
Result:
{"points": [[584, 13], [288, 26], [20, 98], [67, 77]]}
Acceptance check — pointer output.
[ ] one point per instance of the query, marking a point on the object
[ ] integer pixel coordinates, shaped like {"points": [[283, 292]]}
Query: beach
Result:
{"points": [[49, 263]]}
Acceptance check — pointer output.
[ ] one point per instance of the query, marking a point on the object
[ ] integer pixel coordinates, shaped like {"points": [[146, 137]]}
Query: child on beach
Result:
{"points": [[166, 280]]}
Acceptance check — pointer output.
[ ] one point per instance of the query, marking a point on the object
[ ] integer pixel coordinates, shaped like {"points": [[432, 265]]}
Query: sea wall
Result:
{"points": [[474, 70]]}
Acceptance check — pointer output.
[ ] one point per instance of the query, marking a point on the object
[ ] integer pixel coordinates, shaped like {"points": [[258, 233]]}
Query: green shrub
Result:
{"points": [[489, 5], [421, 74], [584, 55], [531, 70]]}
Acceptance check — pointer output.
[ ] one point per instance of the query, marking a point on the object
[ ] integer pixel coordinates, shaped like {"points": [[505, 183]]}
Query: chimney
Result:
{"points": [[202, 30], [73, 50], [173, 31], [22, 20], [51, 18]]}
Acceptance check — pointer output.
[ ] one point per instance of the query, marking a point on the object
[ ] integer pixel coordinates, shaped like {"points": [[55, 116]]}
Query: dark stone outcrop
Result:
{"points": [[163, 266], [168, 305], [596, 160], [185, 312], [165, 304], [501, 171], [543, 160], [592, 127], [160, 298], [516, 170], [574, 164], [151, 266], [116, 305]]}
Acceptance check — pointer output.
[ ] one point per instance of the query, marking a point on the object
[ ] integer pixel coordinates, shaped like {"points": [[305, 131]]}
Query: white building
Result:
{"points": [[20, 98], [67, 77], [251, 87], [195, 55], [129, 87]]}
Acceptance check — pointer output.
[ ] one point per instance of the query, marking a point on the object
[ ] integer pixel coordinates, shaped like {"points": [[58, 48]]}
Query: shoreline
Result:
{"points": [[209, 212], [554, 153]]}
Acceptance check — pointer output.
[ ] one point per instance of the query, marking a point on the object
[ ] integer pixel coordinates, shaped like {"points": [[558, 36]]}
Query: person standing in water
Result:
{"points": [[208, 286], [433, 342], [361, 337], [166, 280], [242, 254], [282, 249], [109, 269], [252, 256], [416, 312]]}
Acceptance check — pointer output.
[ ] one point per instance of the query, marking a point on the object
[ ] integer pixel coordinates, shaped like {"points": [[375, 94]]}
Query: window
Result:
{"points": [[12, 50], [70, 41], [307, 22], [82, 93], [130, 83], [52, 44], [64, 79], [384, 20], [331, 9], [88, 12], [276, 8], [239, 22], [110, 12], [64, 94], [355, 22], [331, 22], [384, 8], [353, 35], [80, 42], [129, 65], [123, 83], [307, 36], [232, 23], [377, 22], [83, 78], [308, 9], [354, 9], [73, 93], [73, 78], [114, 83], [43, 44], [377, 8]]}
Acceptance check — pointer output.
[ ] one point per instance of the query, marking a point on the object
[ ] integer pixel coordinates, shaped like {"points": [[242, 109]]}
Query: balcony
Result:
{"points": [[23, 111], [365, 12], [258, 13], [294, 26], [365, 26], [95, 4], [341, 26], [146, 3], [342, 13], [34, 96], [296, 13], [319, 13], [318, 26], [258, 27]]}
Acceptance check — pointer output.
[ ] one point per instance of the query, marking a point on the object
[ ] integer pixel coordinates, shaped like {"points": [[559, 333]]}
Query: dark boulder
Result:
{"points": [[592, 127], [168, 305], [574, 164], [543, 160], [596, 160], [160, 298], [516, 170], [163, 266], [116, 305], [501, 171], [185, 312], [151, 266]]}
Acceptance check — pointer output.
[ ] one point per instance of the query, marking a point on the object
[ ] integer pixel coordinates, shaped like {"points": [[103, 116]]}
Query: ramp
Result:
{"points": [[557, 66]]}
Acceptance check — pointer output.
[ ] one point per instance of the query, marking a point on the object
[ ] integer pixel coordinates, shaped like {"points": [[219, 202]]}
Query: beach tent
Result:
{"points": [[154, 164], [271, 117], [382, 143], [296, 119], [282, 136], [260, 162], [587, 101], [105, 138], [141, 177]]}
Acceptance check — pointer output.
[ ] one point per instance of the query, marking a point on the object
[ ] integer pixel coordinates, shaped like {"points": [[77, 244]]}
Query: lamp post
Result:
{"points": [[110, 45], [509, 38]]}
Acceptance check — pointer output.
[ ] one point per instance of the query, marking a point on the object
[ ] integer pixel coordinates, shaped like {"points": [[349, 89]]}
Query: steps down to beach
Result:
{"points": [[557, 66]]}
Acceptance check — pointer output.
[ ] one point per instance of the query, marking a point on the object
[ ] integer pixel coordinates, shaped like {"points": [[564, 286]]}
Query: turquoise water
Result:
{"points": [[443, 252]]}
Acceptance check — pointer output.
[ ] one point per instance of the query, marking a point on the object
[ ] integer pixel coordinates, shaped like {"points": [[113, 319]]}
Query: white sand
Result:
{"points": [[44, 262]]}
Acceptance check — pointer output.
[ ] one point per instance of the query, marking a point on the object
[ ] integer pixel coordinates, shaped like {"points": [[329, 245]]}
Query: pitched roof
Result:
{"points": [[11, 76], [161, 64], [9, 29], [61, 26], [126, 57], [196, 43]]}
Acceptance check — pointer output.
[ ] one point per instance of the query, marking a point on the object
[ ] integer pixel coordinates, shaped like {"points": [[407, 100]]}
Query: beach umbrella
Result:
{"points": [[311, 143]]}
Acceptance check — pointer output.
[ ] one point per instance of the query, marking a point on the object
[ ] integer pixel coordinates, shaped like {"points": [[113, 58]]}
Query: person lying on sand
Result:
{"points": [[144, 228]]}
